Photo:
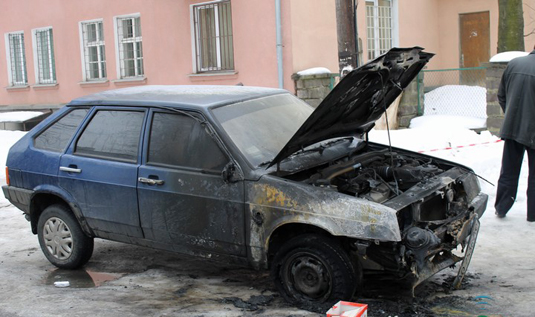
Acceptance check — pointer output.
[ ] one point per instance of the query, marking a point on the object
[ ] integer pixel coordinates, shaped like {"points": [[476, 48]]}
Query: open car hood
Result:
{"points": [[360, 98]]}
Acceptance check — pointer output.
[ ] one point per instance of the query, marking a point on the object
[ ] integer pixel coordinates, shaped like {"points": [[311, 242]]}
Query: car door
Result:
{"points": [[100, 171], [183, 198]]}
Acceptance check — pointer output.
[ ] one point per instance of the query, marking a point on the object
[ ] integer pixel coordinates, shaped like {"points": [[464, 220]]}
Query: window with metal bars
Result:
{"points": [[46, 65], [130, 47], [379, 27], [214, 49], [16, 59], [94, 53]]}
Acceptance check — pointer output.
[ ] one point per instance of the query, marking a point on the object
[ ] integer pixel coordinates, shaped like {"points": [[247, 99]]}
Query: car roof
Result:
{"points": [[194, 97]]}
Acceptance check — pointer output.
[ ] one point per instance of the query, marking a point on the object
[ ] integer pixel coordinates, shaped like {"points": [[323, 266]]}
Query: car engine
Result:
{"points": [[376, 175]]}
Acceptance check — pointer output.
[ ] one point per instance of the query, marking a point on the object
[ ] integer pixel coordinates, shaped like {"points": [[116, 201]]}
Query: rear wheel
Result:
{"points": [[61, 238], [314, 272]]}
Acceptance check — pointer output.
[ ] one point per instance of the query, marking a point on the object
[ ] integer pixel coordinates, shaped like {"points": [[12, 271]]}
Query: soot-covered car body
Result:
{"points": [[252, 176]]}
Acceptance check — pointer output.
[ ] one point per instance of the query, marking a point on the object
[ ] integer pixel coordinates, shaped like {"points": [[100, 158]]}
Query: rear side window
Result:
{"points": [[57, 136], [180, 140], [112, 134]]}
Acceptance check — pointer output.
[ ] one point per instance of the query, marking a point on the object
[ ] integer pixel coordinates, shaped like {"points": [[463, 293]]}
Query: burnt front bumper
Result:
{"points": [[466, 237]]}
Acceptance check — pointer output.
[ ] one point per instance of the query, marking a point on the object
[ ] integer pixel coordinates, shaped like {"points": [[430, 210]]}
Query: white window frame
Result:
{"points": [[394, 27], [11, 76], [196, 49], [84, 51], [139, 73], [51, 59]]}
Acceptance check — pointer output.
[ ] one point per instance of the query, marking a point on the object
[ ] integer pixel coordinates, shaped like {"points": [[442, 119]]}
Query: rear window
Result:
{"points": [[56, 137], [113, 135]]}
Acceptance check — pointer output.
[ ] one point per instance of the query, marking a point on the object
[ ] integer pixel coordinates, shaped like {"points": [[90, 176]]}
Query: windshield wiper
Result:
{"points": [[265, 163], [321, 146]]}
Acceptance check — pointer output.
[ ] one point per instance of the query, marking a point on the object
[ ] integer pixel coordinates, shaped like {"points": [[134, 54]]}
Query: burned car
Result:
{"points": [[250, 176]]}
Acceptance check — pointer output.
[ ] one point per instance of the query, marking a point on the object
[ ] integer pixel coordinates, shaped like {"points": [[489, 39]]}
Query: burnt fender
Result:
{"points": [[272, 202]]}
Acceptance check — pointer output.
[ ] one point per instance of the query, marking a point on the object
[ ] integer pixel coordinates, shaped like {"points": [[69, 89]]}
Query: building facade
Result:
{"points": [[463, 33], [54, 51], [57, 50]]}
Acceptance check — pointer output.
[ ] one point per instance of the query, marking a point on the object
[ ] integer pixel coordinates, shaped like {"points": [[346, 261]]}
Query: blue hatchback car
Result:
{"points": [[252, 176]]}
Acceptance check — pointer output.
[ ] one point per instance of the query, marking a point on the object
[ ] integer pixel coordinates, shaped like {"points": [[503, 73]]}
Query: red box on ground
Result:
{"points": [[348, 309]]}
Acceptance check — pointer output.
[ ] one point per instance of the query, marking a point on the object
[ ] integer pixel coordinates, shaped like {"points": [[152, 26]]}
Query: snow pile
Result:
{"points": [[507, 56], [346, 70], [444, 122], [314, 71], [459, 100], [7, 139], [18, 116]]}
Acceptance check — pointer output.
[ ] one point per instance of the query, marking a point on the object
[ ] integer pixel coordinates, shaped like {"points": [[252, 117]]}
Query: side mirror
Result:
{"points": [[230, 173]]}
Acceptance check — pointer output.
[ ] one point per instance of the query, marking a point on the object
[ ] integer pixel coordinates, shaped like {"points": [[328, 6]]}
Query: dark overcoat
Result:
{"points": [[516, 96]]}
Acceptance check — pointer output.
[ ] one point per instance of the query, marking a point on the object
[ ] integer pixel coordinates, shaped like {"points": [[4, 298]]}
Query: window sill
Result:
{"points": [[130, 81], [18, 88], [45, 86], [213, 76], [94, 83], [225, 73]]}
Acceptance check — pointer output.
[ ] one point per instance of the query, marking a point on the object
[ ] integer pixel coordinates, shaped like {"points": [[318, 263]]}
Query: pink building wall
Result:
{"points": [[309, 40], [167, 43], [314, 34], [434, 25]]}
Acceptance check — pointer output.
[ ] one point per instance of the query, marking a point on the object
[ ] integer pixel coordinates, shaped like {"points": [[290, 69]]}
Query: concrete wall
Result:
{"points": [[408, 106], [494, 111], [313, 88]]}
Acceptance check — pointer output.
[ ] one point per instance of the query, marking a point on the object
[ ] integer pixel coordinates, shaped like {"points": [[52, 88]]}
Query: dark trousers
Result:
{"points": [[513, 154]]}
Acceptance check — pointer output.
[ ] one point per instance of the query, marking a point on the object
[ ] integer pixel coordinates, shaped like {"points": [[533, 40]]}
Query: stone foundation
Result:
{"points": [[494, 112]]}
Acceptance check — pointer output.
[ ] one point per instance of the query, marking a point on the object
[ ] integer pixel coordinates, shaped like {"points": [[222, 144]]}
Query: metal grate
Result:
{"points": [[379, 27], [46, 65], [214, 47], [130, 47], [459, 92], [17, 58], [94, 51]]}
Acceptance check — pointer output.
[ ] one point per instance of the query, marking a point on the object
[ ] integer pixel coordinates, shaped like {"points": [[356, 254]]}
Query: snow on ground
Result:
{"points": [[460, 100], [444, 122], [7, 139], [18, 116]]}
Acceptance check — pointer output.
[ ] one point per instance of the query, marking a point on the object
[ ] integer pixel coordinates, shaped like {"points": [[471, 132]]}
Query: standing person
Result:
{"points": [[516, 96]]}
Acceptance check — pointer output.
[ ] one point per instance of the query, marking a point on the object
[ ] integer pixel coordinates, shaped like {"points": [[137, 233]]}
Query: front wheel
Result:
{"points": [[313, 271], [61, 238]]}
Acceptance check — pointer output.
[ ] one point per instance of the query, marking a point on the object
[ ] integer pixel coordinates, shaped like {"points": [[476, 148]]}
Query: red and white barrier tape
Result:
{"points": [[460, 146]]}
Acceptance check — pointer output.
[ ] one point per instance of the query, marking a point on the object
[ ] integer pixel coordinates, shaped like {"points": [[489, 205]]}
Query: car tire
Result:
{"points": [[61, 238], [314, 272]]}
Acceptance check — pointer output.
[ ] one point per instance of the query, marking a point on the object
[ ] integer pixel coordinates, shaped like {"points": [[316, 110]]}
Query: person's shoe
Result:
{"points": [[499, 215], [531, 220]]}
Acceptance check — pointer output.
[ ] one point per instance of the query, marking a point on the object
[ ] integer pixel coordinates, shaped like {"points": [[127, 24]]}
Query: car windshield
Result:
{"points": [[260, 128]]}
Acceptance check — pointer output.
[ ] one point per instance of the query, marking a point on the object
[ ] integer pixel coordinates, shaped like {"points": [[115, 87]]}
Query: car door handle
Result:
{"points": [[70, 169], [150, 181]]}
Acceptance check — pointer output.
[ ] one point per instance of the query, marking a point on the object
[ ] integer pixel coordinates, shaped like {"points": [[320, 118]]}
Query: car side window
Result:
{"points": [[112, 134], [179, 140], [57, 136]]}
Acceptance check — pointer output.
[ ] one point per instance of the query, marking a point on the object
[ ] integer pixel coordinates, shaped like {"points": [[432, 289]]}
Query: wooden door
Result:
{"points": [[475, 43]]}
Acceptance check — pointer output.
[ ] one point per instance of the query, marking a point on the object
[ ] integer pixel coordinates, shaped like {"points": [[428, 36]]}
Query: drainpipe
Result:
{"points": [[279, 42], [356, 32]]}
